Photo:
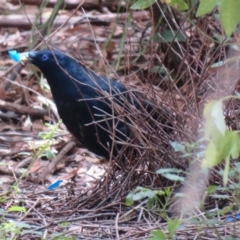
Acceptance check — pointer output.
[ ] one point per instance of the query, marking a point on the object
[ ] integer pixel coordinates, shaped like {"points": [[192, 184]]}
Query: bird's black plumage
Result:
{"points": [[83, 100]]}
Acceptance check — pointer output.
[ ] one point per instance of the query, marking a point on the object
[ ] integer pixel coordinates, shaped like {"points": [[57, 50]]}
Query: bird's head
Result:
{"points": [[45, 60], [63, 72]]}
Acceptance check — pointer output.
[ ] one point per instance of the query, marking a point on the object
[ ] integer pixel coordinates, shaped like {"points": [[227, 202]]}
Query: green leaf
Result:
{"points": [[235, 144], [229, 15], [140, 193], [221, 196], [212, 157], [168, 170], [151, 202], [173, 177], [178, 4], [49, 153], [157, 235], [224, 145], [64, 238], [206, 6], [222, 148], [209, 126], [169, 174], [212, 189], [225, 210], [218, 116], [17, 209], [173, 225], [142, 4], [178, 147], [129, 201], [215, 125], [169, 36]]}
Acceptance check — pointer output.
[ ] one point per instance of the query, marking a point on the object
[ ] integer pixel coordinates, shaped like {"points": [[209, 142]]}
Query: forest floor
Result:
{"points": [[36, 149]]}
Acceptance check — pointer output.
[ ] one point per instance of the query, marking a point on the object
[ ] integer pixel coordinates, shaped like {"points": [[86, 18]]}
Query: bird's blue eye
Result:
{"points": [[44, 57]]}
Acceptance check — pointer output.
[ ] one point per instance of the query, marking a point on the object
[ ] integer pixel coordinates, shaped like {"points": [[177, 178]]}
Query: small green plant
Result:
{"points": [[64, 224], [228, 12], [230, 189], [45, 149], [17, 209], [157, 235], [172, 225], [172, 174], [139, 193], [222, 144], [12, 230], [156, 199]]}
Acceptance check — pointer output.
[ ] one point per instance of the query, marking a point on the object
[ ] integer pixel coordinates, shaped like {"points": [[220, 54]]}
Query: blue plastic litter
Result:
{"points": [[230, 219], [14, 55], [237, 216], [233, 218], [55, 185]]}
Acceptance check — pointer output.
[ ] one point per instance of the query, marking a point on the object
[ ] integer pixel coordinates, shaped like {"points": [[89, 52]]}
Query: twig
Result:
{"points": [[29, 210], [101, 19], [20, 109], [75, 220], [89, 5], [57, 159], [116, 226]]}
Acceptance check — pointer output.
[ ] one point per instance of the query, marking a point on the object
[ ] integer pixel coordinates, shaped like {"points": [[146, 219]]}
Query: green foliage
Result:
{"points": [[187, 149], [168, 36], [64, 224], [15, 189], [178, 147], [215, 123], [223, 144], [228, 10], [50, 135], [143, 4], [45, 150], [140, 193], [12, 229], [172, 225], [63, 238], [17, 209], [230, 192], [171, 174], [233, 186], [178, 4], [157, 235], [206, 6]]}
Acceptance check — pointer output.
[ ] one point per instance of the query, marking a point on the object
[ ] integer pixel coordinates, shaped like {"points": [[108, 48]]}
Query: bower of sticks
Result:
{"points": [[137, 48]]}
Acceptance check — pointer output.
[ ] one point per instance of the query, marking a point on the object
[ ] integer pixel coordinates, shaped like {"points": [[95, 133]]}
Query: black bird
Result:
{"points": [[84, 101]]}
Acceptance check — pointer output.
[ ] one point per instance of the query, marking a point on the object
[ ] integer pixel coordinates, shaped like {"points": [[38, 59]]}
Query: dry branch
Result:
{"points": [[103, 19], [20, 109], [72, 4], [57, 159]]}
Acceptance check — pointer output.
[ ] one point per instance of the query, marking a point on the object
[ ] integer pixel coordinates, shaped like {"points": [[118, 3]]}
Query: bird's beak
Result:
{"points": [[25, 57]]}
